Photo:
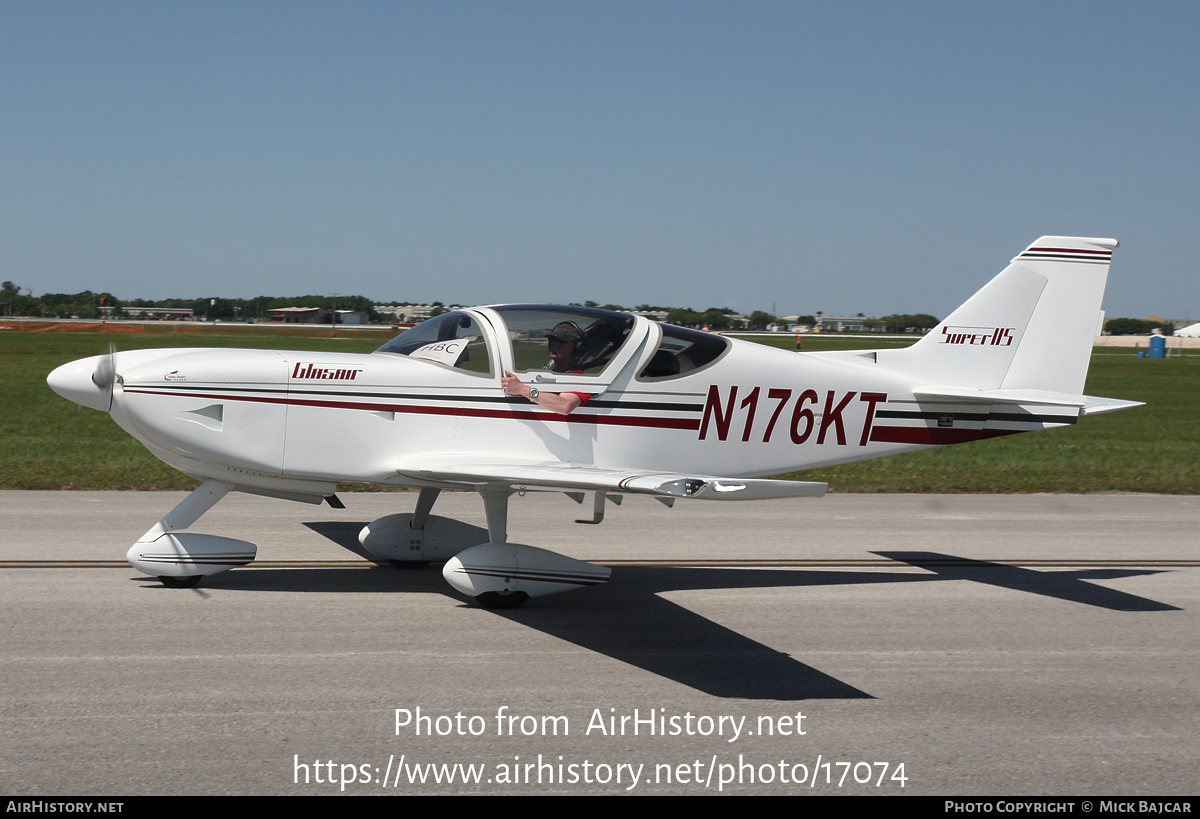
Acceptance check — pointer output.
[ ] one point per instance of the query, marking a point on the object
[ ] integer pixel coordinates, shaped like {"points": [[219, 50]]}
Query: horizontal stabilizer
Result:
{"points": [[1086, 404], [565, 478], [1037, 397], [1096, 405]]}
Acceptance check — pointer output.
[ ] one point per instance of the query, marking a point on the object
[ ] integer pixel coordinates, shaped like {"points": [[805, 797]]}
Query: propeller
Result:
{"points": [[106, 375], [106, 369]]}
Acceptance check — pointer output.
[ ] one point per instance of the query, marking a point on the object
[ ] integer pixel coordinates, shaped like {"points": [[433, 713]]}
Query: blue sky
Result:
{"points": [[843, 157]]}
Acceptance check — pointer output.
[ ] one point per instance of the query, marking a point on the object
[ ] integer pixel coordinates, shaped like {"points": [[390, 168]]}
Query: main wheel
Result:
{"points": [[180, 582], [496, 600]]}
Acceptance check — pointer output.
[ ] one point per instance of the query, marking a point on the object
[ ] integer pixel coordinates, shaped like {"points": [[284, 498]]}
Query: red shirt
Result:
{"points": [[583, 396]]}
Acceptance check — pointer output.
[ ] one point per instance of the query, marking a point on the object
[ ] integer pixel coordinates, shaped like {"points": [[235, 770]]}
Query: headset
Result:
{"points": [[576, 336]]}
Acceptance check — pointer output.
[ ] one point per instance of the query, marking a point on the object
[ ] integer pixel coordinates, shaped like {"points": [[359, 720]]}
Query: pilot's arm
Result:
{"points": [[562, 403]]}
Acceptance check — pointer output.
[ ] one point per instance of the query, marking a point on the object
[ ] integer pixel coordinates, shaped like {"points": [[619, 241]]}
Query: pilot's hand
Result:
{"points": [[513, 386]]}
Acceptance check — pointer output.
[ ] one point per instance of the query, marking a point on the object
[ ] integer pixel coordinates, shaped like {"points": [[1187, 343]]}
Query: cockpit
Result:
{"points": [[459, 340], [597, 335]]}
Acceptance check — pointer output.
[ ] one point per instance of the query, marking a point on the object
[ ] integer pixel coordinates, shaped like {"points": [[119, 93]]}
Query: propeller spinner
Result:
{"points": [[89, 381]]}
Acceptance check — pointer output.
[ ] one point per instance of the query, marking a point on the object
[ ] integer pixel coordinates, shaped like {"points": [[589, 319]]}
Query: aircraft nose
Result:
{"points": [[74, 382]]}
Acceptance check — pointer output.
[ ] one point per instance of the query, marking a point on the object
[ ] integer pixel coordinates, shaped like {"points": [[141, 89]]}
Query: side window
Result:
{"points": [[682, 352], [451, 339]]}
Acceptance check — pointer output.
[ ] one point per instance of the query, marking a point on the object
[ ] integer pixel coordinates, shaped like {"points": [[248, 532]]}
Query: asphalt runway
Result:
{"points": [[857, 644]]}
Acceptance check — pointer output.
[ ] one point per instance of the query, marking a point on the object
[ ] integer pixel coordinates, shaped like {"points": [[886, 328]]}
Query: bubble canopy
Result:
{"points": [[457, 339]]}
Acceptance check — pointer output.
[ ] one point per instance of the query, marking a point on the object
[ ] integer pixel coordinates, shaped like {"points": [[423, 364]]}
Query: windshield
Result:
{"points": [[451, 339]]}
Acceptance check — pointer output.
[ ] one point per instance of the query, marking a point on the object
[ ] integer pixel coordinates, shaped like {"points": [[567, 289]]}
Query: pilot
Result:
{"points": [[567, 342]]}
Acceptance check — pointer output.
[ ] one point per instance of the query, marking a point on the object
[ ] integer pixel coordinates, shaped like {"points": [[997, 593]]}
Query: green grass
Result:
{"points": [[49, 443], [820, 342]]}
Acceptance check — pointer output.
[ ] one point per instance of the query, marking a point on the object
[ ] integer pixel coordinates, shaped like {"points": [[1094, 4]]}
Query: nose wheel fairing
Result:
{"points": [[190, 554], [179, 560]]}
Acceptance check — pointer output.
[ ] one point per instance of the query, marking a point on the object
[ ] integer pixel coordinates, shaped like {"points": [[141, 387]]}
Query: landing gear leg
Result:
{"points": [[425, 500], [495, 506], [203, 497]]}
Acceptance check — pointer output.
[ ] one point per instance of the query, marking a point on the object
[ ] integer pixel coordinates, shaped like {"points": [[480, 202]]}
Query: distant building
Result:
{"points": [[351, 317], [300, 315], [161, 313], [405, 313], [412, 313], [848, 324]]}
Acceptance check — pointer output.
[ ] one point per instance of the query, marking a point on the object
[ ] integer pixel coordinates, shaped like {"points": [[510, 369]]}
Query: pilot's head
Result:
{"points": [[566, 346]]}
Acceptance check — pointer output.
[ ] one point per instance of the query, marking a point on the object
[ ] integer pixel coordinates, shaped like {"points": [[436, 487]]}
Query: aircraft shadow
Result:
{"points": [[1062, 585], [344, 534], [629, 620]]}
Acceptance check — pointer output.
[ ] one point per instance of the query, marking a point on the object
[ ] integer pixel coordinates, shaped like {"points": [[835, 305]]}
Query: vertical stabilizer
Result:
{"points": [[1031, 327]]}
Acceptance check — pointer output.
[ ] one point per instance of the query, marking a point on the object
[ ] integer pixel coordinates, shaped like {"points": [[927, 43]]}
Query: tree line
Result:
{"points": [[19, 301], [1138, 327]]}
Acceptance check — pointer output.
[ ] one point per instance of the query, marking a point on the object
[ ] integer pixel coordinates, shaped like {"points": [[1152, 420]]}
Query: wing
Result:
{"points": [[554, 476]]}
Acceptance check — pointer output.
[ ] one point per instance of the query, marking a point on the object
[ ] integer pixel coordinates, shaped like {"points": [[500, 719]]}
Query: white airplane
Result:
{"points": [[662, 411]]}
